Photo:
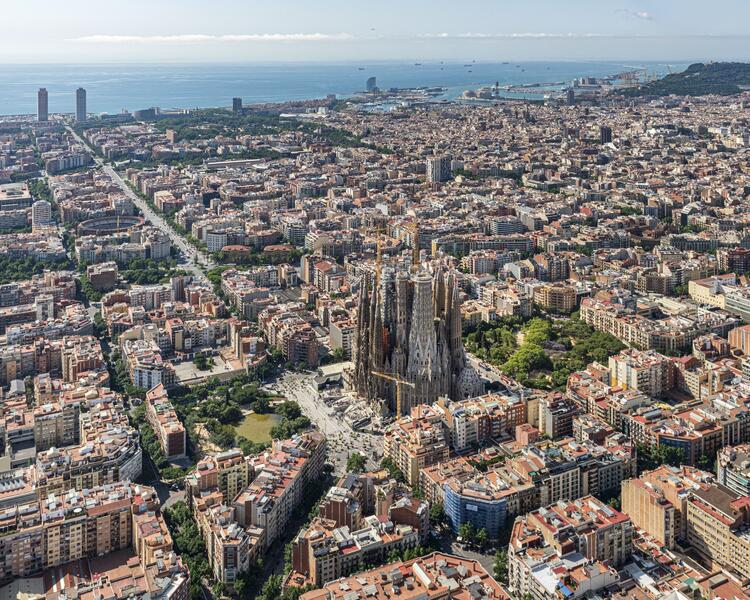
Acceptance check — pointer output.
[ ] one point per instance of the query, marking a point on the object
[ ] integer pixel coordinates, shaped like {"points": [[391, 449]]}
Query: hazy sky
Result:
{"points": [[344, 30]]}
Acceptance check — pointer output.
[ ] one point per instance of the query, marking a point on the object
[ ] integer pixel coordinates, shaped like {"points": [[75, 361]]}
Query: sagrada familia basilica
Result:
{"points": [[409, 326]]}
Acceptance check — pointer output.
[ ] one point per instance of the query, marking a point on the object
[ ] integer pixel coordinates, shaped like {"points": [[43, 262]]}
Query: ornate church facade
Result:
{"points": [[410, 327]]}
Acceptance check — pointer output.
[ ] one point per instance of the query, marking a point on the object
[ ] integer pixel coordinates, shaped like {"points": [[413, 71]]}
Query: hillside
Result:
{"points": [[698, 79]]}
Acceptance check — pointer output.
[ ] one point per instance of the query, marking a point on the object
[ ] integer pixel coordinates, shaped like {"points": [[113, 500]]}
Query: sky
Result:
{"points": [[95, 31]]}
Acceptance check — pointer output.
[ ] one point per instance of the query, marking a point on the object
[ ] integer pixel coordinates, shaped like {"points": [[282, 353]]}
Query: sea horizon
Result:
{"points": [[113, 87]]}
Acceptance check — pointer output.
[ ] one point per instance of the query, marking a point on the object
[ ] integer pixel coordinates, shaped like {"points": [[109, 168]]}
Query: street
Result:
{"points": [[197, 261], [449, 545], [492, 374], [342, 439], [150, 476]]}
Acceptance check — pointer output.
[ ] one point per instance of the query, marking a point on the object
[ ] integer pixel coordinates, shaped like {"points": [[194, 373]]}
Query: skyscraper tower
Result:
{"points": [[42, 105], [236, 105], [81, 113]]}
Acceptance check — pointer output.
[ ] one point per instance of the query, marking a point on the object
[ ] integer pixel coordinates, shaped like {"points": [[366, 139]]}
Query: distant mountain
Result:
{"points": [[699, 79]]}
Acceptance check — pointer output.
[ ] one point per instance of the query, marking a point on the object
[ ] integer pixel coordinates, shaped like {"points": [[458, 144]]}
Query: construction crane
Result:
{"points": [[414, 228], [411, 229], [378, 258], [399, 382]]}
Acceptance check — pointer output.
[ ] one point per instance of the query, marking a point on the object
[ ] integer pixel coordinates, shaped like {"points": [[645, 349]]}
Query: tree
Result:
{"points": [[271, 589], [482, 537], [650, 458], [356, 463], [704, 462], [468, 532], [393, 469], [437, 513], [500, 567], [240, 586], [289, 409], [201, 362], [178, 514], [218, 589]]}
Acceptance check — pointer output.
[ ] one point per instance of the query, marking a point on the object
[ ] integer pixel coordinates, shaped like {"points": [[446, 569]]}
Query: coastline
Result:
{"points": [[114, 87]]}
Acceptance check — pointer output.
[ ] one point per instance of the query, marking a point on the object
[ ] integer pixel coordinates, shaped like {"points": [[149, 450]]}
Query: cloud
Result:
{"points": [[643, 15], [192, 38], [501, 36]]}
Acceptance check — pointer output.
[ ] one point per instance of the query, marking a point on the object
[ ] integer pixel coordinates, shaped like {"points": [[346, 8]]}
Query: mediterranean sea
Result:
{"points": [[114, 87]]}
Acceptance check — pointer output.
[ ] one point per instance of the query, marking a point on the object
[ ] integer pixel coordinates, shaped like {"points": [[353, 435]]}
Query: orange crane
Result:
{"points": [[399, 382]]}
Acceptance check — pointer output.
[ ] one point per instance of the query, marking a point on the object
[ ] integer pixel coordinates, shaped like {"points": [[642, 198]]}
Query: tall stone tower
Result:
{"points": [[423, 367], [411, 328]]}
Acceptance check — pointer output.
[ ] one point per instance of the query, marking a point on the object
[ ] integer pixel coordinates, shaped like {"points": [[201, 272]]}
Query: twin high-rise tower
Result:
{"points": [[80, 105], [42, 105]]}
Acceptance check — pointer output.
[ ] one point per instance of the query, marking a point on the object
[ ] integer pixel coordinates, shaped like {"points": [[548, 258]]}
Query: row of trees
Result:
{"points": [[257, 258], [188, 543]]}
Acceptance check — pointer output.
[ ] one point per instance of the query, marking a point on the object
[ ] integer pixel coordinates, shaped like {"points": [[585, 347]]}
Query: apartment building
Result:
{"points": [[282, 476], [229, 547], [81, 525], [739, 339], [556, 414], [671, 333], [323, 552], [718, 527], [645, 371], [416, 441], [81, 355], [436, 575], [733, 468], [557, 298], [595, 529], [145, 364], [539, 570], [675, 485], [477, 420], [650, 510], [230, 472], [486, 500], [167, 426]]}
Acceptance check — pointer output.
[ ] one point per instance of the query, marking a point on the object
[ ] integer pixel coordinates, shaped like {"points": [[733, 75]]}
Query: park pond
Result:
{"points": [[257, 427]]}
